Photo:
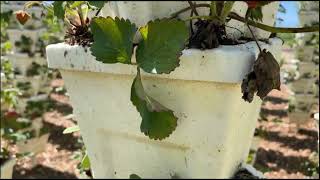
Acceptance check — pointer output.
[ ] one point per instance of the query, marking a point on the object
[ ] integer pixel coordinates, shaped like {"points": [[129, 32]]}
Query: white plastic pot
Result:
{"points": [[141, 13], [22, 61], [15, 35], [7, 169], [269, 18], [35, 81], [215, 125]]}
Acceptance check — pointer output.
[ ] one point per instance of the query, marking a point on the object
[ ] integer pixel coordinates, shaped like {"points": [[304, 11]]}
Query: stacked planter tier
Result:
{"points": [[7, 169], [306, 87], [16, 34], [215, 125], [142, 12]]}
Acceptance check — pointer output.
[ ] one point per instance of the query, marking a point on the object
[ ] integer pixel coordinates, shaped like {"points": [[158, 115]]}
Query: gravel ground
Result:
{"points": [[286, 150]]}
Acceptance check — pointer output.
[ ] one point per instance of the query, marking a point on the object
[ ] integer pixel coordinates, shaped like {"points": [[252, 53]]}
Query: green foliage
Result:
{"points": [[282, 9], [6, 47], [250, 158], [158, 122], [85, 162], [37, 108], [289, 39], [4, 21], [35, 69], [24, 45], [113, 39], [59, 9], [162, 44], [134, 176], [97, 4], [255, 14], [84, 166], [9, 96], [4, 155], [71, 129]]}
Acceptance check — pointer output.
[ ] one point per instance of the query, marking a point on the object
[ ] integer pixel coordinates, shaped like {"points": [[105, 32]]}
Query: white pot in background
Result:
{"points": [[22, 61], [7, 169], [35, 81], [141, 13], [269, 12], [215, 125], [15, 35]]}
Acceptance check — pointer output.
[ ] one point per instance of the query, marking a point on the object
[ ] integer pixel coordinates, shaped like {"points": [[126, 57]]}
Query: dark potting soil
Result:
{"points": [[209, 35], [79, 35]]}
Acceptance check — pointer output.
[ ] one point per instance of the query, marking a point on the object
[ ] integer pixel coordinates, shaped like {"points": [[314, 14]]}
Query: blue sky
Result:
{"points": [[291, 18]]}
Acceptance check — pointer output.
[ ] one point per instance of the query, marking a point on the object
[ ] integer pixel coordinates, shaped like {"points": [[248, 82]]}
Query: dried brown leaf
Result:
{"points": [[264, 77]]}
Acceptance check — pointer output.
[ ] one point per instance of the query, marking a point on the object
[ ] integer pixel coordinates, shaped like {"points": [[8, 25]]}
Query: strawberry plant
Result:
{"points": [[112, 40]]}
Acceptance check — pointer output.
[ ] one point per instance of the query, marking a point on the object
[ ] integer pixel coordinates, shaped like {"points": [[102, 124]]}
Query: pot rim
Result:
{"points": [[197, 65]]}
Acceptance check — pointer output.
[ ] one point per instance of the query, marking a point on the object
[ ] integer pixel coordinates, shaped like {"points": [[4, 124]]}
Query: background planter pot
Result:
{"points": [[16, 34], [7, 169], [215, 125], [142, 12], [22, 61]]}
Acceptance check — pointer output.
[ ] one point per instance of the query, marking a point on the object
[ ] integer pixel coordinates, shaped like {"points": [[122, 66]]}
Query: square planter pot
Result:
{"points": [[22, 61], [34, 35], [36, 83], [7, 169], [215, 125]]}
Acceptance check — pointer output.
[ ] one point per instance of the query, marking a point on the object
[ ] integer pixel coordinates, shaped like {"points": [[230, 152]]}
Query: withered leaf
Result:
{"points": [[249, 87], [22, 16], [264, 77]]}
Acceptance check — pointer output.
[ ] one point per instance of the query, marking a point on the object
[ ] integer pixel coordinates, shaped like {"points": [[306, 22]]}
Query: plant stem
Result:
{"points": [[193, 8], [226, 10], [81, 16], [174, 15], [97, 13], [213, 8], [254, 37], [235, 16], [198, 17]]}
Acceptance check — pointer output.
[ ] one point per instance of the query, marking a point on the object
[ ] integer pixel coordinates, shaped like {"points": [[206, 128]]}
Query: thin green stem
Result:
{"points": [[226, 10], [174, 15], [213, 8], [254, 37], [193, 8], [235, 16], [198, 17]]}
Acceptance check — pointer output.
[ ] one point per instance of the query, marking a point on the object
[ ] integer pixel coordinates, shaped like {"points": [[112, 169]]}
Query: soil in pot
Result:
{"points": [[79, 34]]}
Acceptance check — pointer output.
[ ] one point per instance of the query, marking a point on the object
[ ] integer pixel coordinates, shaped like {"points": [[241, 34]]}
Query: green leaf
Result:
{"points": [[113, 39], [5, 16], [158, 122], [58, 9], [134, 176], [282, 9], [97, 4], [255, 14], [85, 162], [71, 129], [162, 44], [76, 4], [226, 10], [30, 4]]}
